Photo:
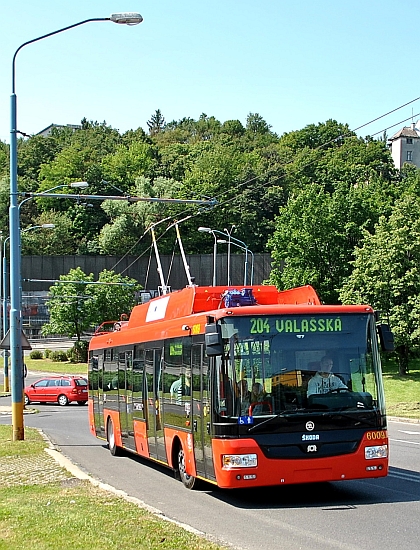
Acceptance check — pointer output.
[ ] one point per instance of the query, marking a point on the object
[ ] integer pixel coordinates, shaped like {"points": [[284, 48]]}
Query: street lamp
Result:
{"points": [[243, 246], [129, 18], [208, 230], [229, 234], [4, 297]]}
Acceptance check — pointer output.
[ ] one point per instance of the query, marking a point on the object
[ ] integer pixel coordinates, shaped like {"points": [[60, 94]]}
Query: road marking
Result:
{"points": [[405, 441], [408, 432], [405, 476]]}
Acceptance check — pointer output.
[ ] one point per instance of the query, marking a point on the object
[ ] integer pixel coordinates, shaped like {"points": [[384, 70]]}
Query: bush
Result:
{"points": [[58, 356], [36, 354], [79, 352], [47, 353]]}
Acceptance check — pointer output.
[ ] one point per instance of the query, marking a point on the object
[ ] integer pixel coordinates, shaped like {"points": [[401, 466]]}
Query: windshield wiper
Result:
{"points": [[283, 414], [353, 416]]}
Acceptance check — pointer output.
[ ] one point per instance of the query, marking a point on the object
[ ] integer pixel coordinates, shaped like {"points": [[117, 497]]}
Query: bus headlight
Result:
{"points": [[239, 461], [378, 451]]}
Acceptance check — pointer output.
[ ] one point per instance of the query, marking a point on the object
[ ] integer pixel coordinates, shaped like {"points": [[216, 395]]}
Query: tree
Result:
{"points": [[115, 297], [129, 221], [75, 304], [4, 205], [386, 275], [256, 124], [60, 240], [4, 159], [126, 163], [156, 123], [70, 305], [316, 233]]}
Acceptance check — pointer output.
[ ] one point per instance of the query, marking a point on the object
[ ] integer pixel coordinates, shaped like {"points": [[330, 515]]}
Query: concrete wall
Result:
{"points": [[144, 269]]}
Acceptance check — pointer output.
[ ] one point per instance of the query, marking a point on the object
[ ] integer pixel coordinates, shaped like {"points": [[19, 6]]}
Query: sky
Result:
{"points": [[293, 63]]}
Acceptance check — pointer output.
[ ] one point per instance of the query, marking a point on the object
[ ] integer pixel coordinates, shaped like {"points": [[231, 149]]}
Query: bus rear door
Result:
{"points": [[201, 412], [153, 368], [96, 388]]}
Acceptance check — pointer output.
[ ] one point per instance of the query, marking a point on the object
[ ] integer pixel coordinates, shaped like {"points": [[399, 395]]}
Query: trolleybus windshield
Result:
{"points": [[269, 362]]}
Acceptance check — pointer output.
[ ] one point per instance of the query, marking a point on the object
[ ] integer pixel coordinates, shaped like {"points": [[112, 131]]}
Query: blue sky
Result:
{"points": [[294, 63]]}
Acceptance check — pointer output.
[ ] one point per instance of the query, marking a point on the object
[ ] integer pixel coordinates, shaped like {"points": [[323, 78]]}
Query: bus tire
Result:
{"points": [[190, 482], [110, 435]]}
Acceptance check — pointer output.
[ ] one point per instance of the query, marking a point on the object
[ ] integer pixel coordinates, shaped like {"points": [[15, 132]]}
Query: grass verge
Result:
{"points": [[59, 367], [44, 512], [402, 393]]}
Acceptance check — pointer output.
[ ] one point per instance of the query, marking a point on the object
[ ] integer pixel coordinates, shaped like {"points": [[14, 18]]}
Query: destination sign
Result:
{"points": [[261, 325]]}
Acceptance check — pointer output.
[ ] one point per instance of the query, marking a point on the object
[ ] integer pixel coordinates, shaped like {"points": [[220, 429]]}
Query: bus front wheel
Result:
{"points": [[189, 482]]}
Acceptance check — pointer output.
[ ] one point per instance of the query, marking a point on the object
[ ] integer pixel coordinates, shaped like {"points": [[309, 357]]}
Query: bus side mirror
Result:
{"points": [[386, 338], [213, 340]]}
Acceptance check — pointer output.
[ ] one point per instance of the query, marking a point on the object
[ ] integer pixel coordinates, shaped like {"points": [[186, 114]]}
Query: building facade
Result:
{"points": [[405, 146]]}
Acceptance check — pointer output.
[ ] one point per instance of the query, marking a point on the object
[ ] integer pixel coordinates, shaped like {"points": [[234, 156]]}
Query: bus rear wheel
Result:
{"points": [[189, 482], [110, 435]]}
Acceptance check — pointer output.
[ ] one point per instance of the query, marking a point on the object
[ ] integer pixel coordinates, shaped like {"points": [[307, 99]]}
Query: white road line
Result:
{"points": [[406, 441], [405, 476]]}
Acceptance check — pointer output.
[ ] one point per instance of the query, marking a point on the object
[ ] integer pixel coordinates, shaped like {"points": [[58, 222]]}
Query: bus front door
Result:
{"points": [[201, 413]]}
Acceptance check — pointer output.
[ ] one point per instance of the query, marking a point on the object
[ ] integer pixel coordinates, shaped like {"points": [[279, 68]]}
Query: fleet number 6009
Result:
{"points": [[375, 435]]}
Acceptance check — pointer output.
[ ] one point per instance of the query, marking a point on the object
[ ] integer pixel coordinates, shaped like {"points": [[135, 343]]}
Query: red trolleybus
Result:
{"points": [[216, 383]]}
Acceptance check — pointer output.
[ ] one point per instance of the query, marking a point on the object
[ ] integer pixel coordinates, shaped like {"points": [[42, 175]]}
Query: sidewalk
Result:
{"points": [[52, 344]]}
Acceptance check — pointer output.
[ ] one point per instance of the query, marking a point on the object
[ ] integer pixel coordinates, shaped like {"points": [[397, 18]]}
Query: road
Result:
{"points": [[351, 515]]}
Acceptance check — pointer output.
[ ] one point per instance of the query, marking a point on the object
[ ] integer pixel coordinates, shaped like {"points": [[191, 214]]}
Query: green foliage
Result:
{"points": [[49, 241], [75, 304], [127, 163], [47, 353], [386, 274], [79, 352], [70, 305], [129, 221], [316, 233], [4, 159], [36, 354], [59, 356], [116, 296], [156, 123], [4, 205]]}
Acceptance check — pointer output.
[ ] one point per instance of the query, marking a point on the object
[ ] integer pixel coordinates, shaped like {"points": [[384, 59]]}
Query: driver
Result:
{"points": [[324, 381]]}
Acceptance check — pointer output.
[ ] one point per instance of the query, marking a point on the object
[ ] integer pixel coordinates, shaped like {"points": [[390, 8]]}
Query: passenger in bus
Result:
{"points": [[244, 397], [257, 394], [176, 391], [261, 401], [324, 381]]}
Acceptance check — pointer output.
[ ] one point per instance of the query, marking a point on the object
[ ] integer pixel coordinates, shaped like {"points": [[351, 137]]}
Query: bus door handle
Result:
{"points": [[195, 425]]}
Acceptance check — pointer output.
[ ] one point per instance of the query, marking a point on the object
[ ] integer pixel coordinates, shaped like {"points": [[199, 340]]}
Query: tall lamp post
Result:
{"points": [[130, 18]]}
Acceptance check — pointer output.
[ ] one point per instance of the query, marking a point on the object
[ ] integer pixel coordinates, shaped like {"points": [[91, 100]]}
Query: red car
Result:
{"points": [[58, 389]]}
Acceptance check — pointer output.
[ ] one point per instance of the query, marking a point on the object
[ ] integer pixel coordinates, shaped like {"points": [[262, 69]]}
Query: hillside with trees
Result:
{"points": [[328, 205]]}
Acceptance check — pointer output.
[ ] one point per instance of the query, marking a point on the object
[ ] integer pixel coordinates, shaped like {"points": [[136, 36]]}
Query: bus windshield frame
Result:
{"points": [[269, 361]]}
